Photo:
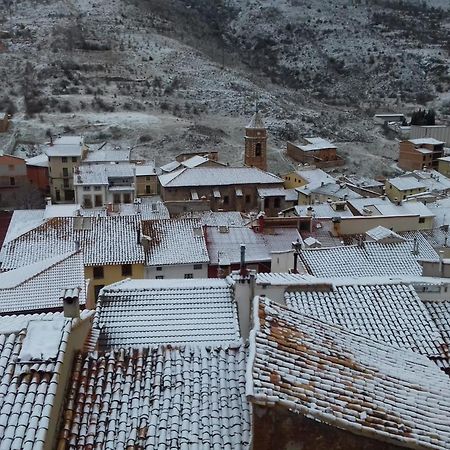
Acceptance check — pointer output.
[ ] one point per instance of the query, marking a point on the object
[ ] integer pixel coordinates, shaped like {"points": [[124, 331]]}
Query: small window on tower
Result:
{"points": [[258, 149]]}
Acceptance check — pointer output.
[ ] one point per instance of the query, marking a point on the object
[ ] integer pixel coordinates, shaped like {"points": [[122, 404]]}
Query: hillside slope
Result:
{"points": [[165, 76]]}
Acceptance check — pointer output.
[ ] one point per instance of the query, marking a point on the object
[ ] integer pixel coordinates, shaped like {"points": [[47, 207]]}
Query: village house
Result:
{"points": [[274, 200], [315, 385], [147, 179], [399, 216], [307, 175], [49, 277], [37, 172], [174, 248], [64, 156], [36, 367], [444, 166], [13, 176], [224, 188], [325, 192], [316, 151], [416, 154], [110, 246], [230, 246], [97, 185], [320, 211], [399, 188]]}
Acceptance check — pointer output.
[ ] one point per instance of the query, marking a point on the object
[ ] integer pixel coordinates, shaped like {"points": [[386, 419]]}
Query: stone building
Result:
{"points": [[417, 154], [13, 175], [256, 143], [224, 188], [316, 151], [64, 155]]}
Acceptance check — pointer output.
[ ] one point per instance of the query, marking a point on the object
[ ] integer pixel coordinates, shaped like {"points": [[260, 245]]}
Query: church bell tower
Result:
{"points": [[256, 143]]}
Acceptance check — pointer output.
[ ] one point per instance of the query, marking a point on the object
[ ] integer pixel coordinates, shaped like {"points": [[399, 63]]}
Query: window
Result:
{"points": [[74, 159], [58, 195], [148, 189], [226, 199], [159, 277], [197, 267], [97, 289], [12, 181], [188, 275], [127, 270], [98, 272], [87, 202], [98, 200], [421, 219], [66, 182], [248, 199], [86, 188], [97, 188], [64, 159], [276, 202], [159, 268], [116, 198], [266, 203], [65, 172], [126, 198], [258, 149], [148, 178]]}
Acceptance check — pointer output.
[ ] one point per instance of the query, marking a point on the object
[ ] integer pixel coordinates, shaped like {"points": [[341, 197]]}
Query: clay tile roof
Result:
{"points": [[136, 313], [346, 380], [174, 241], [392, 313], [158, 398], [371, 259], [32, 348], [38, 286], [103, 240]]}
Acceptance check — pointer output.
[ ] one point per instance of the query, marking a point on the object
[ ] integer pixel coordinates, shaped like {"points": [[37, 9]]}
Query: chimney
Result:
{"points": [[48, 200], [154, 207], [415, 247], [77, 245], [261, 221], [198, 231], [243, 269], [109, 209], [71, 303], [441, 263]]}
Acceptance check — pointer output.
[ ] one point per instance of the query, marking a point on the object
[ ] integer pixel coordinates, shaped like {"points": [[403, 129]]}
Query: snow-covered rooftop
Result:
{"points": [[106, 153], [217, 218], [406, 183], [166, 398], [100, 174], [345, 379], [103, 240], [373, 311], [217, 176], [370, 259], [383, 234], [33, 349], [38, 286], [322, 210], [424, 141], [146, 169], [143, 313], [38, 161], [65, 146], [315, 143], [174, 241]]}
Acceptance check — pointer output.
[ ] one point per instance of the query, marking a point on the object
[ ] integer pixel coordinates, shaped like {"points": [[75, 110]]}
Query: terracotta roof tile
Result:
{"points": [[160, 398], [332, 375]]}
